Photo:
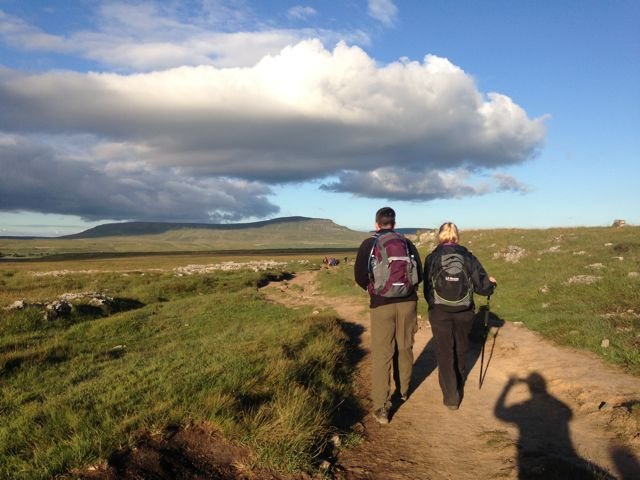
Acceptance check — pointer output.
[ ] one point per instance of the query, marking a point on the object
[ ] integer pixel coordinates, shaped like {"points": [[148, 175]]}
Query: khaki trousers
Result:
{"points": [[393, 328]]}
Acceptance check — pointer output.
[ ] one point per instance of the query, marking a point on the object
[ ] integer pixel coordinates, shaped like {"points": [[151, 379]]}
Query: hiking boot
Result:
{"points": [[381, 415]]}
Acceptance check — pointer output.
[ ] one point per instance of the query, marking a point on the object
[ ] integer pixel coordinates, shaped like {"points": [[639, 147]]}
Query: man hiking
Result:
{"points": [[452, 275], [388, 267]]}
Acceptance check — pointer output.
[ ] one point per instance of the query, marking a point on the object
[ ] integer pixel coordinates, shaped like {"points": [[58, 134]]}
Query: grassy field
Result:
{"points": [[169, 349], [313, 233], [172, 348], [543, 283]]}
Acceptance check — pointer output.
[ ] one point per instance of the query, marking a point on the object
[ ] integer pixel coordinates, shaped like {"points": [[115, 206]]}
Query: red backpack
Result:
{"points": [[393, 271]]}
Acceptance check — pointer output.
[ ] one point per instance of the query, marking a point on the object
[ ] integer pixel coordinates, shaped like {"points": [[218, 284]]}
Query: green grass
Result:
{"points": [[312, 233], [579, 316], [203, 348], [208, 348]]}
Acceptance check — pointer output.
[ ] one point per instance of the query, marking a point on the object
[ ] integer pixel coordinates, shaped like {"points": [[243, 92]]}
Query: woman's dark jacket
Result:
{"points": [[478, 275]]}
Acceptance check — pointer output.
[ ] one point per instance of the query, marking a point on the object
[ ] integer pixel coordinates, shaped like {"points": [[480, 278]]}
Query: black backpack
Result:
{"points": [[451, 282]]}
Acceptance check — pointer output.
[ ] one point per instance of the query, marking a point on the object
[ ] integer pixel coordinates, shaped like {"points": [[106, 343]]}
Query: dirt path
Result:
{"points": [[568, 413]]}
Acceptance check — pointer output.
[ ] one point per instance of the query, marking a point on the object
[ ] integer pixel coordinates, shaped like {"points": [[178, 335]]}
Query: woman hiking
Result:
{"points": [[452, 276]]}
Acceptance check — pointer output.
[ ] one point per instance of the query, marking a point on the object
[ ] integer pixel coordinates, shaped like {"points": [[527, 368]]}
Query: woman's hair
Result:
{"points": [[448, 233]]}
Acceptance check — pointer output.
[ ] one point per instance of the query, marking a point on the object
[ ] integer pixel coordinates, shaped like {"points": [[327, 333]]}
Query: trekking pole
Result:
{"points": [[484, 338]]}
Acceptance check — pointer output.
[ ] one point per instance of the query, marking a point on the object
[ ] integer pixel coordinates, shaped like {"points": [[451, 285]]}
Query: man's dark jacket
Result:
{"points": [[361, 271], [478, 275]]}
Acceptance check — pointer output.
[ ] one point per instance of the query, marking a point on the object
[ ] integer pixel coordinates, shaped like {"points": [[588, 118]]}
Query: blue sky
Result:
{"points": [[489, 114]]}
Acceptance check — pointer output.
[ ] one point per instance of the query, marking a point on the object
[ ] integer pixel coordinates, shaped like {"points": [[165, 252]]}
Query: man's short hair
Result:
{"points": [[386, 216]]}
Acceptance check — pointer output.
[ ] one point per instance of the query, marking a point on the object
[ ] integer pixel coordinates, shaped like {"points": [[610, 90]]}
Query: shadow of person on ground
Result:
{"points": [[545, 450], [423, 366], [350, 412], [626, 463], [426, 362]]}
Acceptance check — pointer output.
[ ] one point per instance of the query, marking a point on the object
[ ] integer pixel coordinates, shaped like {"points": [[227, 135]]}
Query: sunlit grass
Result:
{"points": [[536, 290], [203, 348]]}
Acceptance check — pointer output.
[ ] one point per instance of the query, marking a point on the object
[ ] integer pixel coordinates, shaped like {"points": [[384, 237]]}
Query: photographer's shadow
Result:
{"points": [[545, 449]]}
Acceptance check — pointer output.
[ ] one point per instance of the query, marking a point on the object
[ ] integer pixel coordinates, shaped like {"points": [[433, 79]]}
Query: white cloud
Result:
{"points": [[20, 34], [385, 11], [306, 113], [154, 35], [301, 12]]}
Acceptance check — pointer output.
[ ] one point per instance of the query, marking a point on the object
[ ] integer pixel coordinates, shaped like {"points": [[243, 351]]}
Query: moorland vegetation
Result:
{"points": [[174, 348], [167, 349]]}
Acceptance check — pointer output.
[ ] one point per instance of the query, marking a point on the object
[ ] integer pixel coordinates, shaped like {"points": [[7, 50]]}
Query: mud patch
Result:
{"points": [[196, 452]]}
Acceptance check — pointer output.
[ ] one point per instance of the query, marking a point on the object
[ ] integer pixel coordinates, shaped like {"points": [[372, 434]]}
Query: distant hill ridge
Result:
{"points": [[125, 229], [285, 233]]}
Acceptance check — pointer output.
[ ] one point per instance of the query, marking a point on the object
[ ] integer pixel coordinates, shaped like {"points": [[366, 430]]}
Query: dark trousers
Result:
{"points": [[451, 334]]}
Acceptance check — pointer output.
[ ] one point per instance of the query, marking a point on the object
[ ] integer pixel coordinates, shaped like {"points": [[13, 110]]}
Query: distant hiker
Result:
{"points": [[452, 276], [388, 267]]}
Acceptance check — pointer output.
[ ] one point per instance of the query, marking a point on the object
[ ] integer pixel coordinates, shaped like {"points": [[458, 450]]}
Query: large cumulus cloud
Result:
{"points": [[306, 113], [37, 177]]}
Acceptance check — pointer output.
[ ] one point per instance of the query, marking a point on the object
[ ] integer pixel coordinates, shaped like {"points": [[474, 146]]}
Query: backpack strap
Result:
{"points": [[376, 237]]}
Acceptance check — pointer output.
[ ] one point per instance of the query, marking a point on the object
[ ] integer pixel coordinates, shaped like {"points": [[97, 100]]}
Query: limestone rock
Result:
{"points": [[426, 237], [595, 266], [57, 308], [255, 266], [17, 305], [583, 279], [511, 254]]}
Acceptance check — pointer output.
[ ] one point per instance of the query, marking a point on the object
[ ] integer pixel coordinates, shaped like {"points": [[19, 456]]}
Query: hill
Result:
{"points": [[280, 233], [149, 228]]}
